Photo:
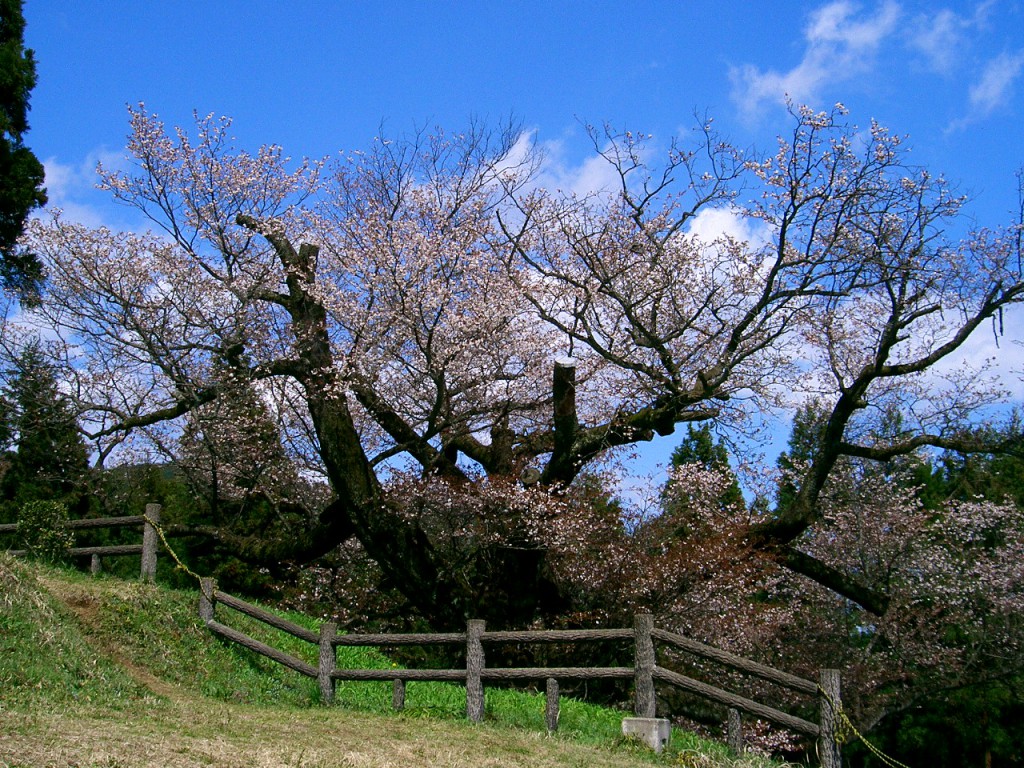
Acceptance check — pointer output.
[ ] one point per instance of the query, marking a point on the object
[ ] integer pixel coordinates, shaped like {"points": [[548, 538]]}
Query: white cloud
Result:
{"points": [[712, 223], [840, 46], [994, 352], [551, 169], [996, 83], [942, 36], [833, 25], [992, 89], [72, 187], [939, 38], [517, 159], [591, 175]]}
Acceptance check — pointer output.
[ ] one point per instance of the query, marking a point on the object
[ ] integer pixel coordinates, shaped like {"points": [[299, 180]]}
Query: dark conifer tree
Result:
{"points": [[46, 457], [684, 513], [21, 173]]}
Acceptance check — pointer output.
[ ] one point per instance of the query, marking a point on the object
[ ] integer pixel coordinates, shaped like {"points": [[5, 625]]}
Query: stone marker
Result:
{"points": [[652, 731]]}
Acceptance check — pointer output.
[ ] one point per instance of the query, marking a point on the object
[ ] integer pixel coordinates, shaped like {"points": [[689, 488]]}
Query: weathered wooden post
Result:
{"points": [[398, 695], [328, 660], [474, 669], [207, 588], [643, 705], [552, 705], [95, 565], [149, 542], [734, 732], [830, 708]]}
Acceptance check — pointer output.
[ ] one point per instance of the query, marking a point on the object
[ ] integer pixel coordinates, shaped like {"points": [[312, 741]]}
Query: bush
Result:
{"points": [[42, 529]]}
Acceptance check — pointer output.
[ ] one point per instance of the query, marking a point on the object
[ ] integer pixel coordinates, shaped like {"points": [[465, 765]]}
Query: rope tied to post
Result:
{"points": [[179, 565], [847, 732]]}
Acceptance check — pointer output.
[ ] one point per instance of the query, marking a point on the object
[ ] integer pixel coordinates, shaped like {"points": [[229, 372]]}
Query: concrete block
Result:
{"points": [[652, 731]]}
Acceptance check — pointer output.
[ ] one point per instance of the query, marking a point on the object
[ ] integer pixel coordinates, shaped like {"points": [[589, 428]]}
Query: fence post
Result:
{"points": [[95, 565], [398, 695], [643, 705], [207, 588], [149, 543], [830, 707], [734, 732], [552, 705], [474, 668], [328, 659]]}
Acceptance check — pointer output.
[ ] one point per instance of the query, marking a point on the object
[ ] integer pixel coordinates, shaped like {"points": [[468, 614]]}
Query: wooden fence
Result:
{"points": [[645, 671], [148, 547]]}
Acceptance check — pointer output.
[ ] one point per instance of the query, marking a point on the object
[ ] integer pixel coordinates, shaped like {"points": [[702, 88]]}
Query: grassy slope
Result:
{"points": [[103, 672]]}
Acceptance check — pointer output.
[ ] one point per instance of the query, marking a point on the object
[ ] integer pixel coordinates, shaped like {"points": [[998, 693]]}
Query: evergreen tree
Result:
{"points": [[700, 447], [46, 458], [231, 456], [808, 431], [686, 508], [231, 459], [993, 476], [912, 469], [21, 173]]}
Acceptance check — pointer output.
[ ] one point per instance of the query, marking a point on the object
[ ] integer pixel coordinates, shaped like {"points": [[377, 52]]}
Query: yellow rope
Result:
{"points": [[174, 555], [848, 726]]}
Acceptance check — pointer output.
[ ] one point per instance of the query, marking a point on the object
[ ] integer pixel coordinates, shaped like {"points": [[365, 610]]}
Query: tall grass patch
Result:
{"points": [[45, 660]]}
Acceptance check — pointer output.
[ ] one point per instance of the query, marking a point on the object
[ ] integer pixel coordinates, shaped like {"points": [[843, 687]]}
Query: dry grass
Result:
{"points": [[187, 732]]}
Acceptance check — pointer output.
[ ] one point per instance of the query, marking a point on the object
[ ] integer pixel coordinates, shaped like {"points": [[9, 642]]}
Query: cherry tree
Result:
{"points": [[951, 572], [427, 307]]}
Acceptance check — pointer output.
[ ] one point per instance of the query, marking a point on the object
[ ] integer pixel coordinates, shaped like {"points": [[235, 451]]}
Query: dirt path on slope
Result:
{"points": [[84, 601]]}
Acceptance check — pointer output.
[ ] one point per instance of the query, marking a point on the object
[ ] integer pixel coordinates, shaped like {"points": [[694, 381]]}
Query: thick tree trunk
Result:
{"points": [[508, 588]]}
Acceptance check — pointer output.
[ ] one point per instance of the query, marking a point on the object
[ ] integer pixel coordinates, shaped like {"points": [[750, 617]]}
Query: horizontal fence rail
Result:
{"points": [[557, 635], [426, 638], [737, 702], [645, 671], [148, 547], [571, 673], [88, 522], [736, 662]]}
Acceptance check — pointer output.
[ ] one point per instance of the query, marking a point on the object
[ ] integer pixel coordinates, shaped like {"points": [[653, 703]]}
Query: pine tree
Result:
{"points": [[685, 508], [47, 459], [21, 173], [700, 447], [808, 431], [231, 456]]}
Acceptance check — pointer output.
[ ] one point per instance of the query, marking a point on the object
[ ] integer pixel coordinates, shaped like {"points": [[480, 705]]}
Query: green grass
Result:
{"points": [[117, 654], [44, 658]]}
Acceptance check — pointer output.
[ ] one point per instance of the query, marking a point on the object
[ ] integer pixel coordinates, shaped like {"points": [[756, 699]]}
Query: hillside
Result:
{"points": [[104, 672]]}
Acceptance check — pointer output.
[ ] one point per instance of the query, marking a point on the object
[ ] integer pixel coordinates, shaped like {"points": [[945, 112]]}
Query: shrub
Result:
{"points": [[42, 528]]}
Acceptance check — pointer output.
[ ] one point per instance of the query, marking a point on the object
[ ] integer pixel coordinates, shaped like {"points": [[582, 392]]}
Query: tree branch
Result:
{"points": [[834, 579]]}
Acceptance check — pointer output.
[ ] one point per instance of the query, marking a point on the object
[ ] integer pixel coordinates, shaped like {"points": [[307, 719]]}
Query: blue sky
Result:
{"points": [[321, 77]]}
